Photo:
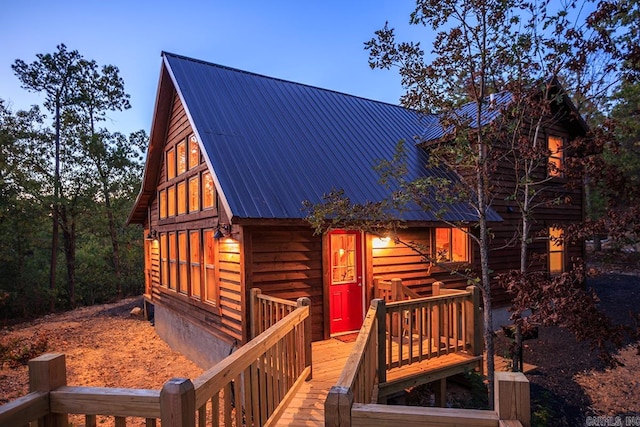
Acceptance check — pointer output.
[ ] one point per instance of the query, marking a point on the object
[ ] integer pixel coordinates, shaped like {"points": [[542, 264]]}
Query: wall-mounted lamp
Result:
{"points": [[222, 230], [153, 234]]}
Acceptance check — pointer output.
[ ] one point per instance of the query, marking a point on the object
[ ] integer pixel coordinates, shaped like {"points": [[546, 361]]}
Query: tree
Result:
{"points": [[79, 94], [55, 75]]}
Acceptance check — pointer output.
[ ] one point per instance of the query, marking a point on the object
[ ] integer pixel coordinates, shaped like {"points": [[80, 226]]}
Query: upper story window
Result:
{"points": [[208, 191], [451, 245], [555, 145], [181, 156], [171, 164], [556, 251], [194, 152]]}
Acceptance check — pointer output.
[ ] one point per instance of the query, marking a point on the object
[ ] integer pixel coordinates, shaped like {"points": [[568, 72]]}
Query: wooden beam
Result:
{"points": [[512, 398], [178, 403], [47, 373], [366, 415]]}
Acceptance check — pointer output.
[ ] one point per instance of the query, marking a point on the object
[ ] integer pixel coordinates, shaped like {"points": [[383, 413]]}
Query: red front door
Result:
{"points": [[345, 281]]}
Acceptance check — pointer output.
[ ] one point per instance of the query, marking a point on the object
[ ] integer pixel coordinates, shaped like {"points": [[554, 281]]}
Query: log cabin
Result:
{"points": [[232, 156]]}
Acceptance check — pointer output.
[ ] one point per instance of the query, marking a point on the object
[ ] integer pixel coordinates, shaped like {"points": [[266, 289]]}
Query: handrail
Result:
{"points": [[359, 378], [266, 311], [256, 382]]}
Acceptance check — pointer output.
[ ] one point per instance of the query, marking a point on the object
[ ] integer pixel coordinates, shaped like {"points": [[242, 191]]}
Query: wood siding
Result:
{"points": [[224, 319], [286, 262]]}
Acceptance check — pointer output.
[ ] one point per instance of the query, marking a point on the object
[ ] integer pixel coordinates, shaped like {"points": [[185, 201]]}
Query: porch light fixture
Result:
{"points": [[153, 234], [222, 230]]}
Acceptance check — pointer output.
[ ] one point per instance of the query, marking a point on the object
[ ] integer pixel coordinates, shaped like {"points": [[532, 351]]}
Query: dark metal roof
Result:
{"points": [[273, 144]]}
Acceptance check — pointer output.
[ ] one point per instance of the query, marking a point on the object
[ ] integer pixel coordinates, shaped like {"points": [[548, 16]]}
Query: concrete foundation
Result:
{"points": [[193, 341]]}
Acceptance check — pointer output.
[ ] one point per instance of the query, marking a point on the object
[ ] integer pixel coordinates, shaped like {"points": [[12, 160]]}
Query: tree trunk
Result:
{"points": [[54, 215], [114, 242], [69, 233]]}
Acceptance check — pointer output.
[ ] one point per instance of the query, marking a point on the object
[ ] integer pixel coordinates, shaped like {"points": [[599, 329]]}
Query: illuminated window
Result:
{"points": [[451, 245], [555, 144], [171, 164], [195, 260], [171, 201], [194, 194], [343, 258], [556, 251], [182, 198], [181, 157], [164, 260], [194, 152], [182, 261], [173, 260], [162, 201], [208, 191], [209, 267]]}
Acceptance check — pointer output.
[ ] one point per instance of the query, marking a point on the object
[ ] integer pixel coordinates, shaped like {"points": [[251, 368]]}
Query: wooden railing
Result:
{"points": [[352, 400], [359, 378], [266, 311], [392, 290], [432, 326], [253, 385]]}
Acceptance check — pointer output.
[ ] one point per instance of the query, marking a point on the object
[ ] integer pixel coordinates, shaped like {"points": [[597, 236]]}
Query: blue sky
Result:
{"points": [[313, 42]]}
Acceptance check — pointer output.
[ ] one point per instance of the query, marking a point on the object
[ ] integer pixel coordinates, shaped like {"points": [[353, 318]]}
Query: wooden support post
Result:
{"points": [[474, 322], [396, 289], [46, 373], [306, 302], [381, 316], [337, 407], [440, 392], [253, 312], [436, 331], [178, 403], [512, 399]]}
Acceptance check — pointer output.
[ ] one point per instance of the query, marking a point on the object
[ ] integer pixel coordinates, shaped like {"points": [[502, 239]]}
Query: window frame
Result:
{"points": [[451, 251], [170, 163], [190, 207], [556, 248], [204, 191], [193, 143], [556, 156], [181, 165]]}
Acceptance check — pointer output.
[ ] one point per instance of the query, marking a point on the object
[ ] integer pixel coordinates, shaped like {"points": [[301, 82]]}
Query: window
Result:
{"points": [[195, 260], [194, 194], [162, 201], [182, 198], [451, 245], [556, 251], [208, 191], [343, 258], [209, 266], [164, 261], [173, 258], [171, 164], [171, 201], [182, 261], [181, 154], [194, 152], [555, 145]]}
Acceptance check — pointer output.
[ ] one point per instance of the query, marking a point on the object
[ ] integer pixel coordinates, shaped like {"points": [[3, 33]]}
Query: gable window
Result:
{"points": [[451, 245], [171, 201], [182, 198], [195, 260], [162, 201], [182, 261], [194, 194], [208, 191], [171, 164], [181, 155], [164, 261], [173, 261], [194, 152], [555, 146], [211, 294], [556, 251]]}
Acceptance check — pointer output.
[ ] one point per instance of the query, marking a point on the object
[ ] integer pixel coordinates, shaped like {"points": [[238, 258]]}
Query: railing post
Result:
{"points": [[474, 321], [253, 312], [306, 302], [512, 398], [178, 403], [381, 315], [337, 407], [46, 373], [435, 316]]}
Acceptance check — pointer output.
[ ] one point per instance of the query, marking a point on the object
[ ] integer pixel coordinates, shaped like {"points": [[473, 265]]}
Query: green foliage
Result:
{"points": [[76, 175]]}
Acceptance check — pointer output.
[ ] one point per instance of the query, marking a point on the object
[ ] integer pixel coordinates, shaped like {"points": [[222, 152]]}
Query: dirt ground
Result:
{"points": [[106, 346]]}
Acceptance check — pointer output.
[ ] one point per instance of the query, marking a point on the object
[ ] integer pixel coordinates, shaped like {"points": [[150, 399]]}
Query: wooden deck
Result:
{"points": [[307, 407], [329, 357]]}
